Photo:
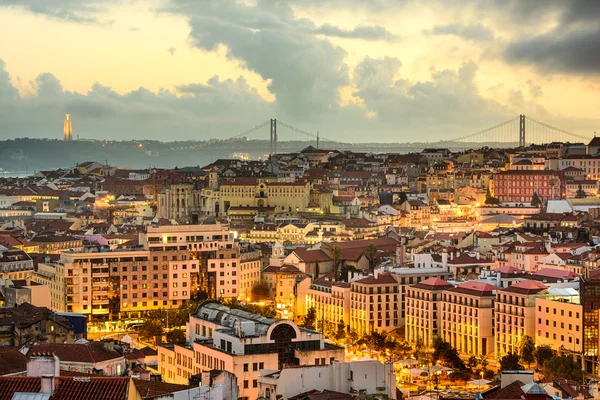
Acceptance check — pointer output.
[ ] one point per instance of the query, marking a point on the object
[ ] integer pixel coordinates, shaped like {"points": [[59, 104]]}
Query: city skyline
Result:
{"points": [[205, 70]]}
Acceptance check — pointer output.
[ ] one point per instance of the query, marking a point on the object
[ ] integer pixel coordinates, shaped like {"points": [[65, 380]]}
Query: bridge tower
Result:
{"points": [[522, 130], [273, 136]]}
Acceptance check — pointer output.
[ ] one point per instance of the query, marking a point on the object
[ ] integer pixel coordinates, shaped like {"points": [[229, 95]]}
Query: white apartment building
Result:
{"points": [[424, 310], [516, 314], [468, 317], [243, 344], [374, 304], [559, 319], [331, 301], [369, 377]]}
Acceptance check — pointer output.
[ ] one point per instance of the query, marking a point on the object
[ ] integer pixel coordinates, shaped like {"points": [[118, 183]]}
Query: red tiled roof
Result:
{"points": [[556, 273], [307, 255], [433, 283], [382, 279], [526, 287], [149, 389], [91, 352], [10, 385], [475, 288], [77, 388], [12, 360]]}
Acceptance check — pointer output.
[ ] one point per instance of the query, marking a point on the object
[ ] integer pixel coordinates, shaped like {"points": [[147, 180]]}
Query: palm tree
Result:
{"points": [[371, 253], [336, 255]]}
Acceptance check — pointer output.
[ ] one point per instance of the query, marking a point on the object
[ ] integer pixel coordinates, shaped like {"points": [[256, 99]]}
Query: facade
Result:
{"points": [[468, 317], [519, 186], [243, 344], [424, 310], [15, 264], [375, 304], [286, 197], [331, 301], [516, 314], [559, 320], [590, 301], [369, 377]]}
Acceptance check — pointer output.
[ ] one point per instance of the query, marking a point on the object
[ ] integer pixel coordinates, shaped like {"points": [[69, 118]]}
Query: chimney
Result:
{"points": [[47, 383], [109, 345], [477, 255], [445, 260]]}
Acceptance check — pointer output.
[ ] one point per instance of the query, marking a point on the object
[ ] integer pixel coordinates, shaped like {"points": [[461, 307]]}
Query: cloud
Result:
{"points": [[360, 32], [573, 52], [77, 11], [304, 72], [474, 32]]}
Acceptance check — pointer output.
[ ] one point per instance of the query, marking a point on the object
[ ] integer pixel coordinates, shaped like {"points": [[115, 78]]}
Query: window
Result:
{"points": [[255, 383], [245, 384], [245, 365], [255, 367]]}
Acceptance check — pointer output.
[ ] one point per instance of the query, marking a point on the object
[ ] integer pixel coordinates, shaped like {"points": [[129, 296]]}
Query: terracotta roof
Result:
{"points": [[92, 352], [150, 389], [322, 395], [12, 360], [382, 279], [526, 287], [475, 288], [508, 270], [283, 269], [307, 255], [509, 392], [433, 284], [556, 273], [77, 388], [10, 385]]}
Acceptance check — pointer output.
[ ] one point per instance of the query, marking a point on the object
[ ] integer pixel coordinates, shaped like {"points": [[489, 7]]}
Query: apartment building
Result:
{"points": [[282, 281], [331, 301], [468, 317], [516, 314], [250, 267], [423, 310], [374, 304], [559, 320], [243, 344], [172, 262], [519, 186], [15, 264]]}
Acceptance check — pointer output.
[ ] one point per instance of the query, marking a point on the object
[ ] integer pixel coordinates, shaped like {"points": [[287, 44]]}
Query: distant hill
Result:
{"points": [[39, 154]]}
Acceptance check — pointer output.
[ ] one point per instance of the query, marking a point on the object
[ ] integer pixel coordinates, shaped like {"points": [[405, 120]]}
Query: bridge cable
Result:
{"points": [[558, 129], [485, 130], [248, 131], [312, 135]]}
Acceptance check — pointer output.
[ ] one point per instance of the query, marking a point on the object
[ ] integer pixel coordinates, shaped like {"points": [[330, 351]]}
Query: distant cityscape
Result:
{"points": [[436, 271]]}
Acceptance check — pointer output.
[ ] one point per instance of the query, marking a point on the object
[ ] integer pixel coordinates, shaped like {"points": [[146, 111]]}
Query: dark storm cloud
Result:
{"points": [[474, 32], [360, 32], [575, 52], [77, 11]]}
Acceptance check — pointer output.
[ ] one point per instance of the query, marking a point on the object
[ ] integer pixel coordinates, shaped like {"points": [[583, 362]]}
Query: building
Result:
{"points": [[516, 314], [282, 281], [243, 344], [15, 264], [331, 301], [100, 358], [368, 377], [519, 186], [26, 323], [468, 317], [424, 310], [559, 320], [590, 301], [375, 304]]}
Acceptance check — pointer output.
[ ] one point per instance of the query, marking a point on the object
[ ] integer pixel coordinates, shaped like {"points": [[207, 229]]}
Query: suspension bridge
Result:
{"points": [[519, 131]]}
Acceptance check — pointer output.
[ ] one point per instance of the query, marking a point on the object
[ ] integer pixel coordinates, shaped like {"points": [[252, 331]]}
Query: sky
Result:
{"points": [[354, 70]]}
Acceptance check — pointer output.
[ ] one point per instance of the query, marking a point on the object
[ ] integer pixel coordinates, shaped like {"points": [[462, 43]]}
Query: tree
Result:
{"points": [[346, 269], [151, 329], [418, 348], [402, 197], [310, 319], [472, 363], [402, 350], [483, 361], [336, 256], [580, 194], [535, 200], [489, 199], [527, 348], [371, 252], [352, 337], [260, 291], [542, 354], [553, 183], [176, 336], [341, 330], [446, 354], [562, 367], [510, 362]]}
